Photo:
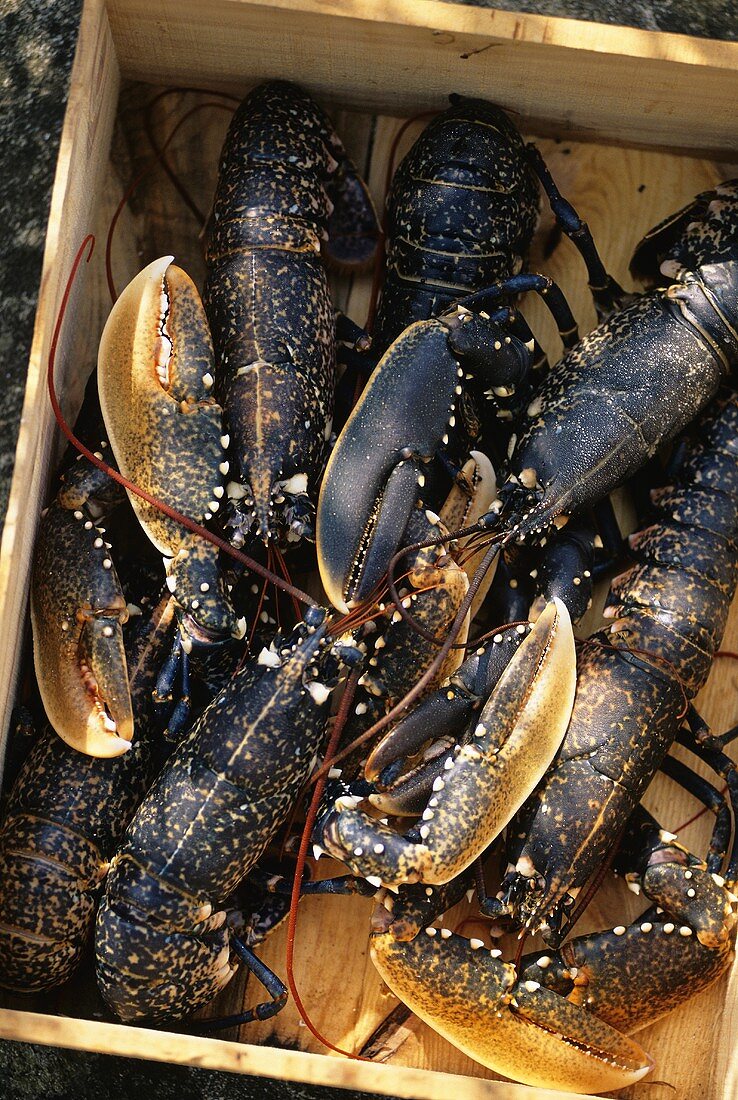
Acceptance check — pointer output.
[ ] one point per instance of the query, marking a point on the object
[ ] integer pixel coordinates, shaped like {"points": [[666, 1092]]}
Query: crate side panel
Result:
{"points": [[81, 165], [285, 1065], [404, 58]]}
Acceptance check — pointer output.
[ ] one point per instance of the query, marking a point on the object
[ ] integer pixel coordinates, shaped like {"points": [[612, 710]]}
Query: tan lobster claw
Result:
{"points": [[483, 783], [77, 610], [517, 1028], [155, 377]]}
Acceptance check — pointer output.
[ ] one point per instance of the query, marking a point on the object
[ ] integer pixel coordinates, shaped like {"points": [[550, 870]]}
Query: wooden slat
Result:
{"points": [[577, 78], [81, 165], [287, 1065]]}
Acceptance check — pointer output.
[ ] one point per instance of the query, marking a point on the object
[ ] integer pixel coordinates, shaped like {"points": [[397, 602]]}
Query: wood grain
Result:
{"points": [[400, 56]]}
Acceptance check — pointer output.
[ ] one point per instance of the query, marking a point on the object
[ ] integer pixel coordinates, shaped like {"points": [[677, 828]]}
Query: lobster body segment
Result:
{"points": [[162, 946], [269, 305], [461, 214]]}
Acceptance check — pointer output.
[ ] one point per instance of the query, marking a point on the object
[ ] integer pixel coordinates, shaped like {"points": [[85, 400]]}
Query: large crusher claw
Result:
{"points": [[518, 1028], [155, 376], [482, 784], [374, 475], [77, 611]]}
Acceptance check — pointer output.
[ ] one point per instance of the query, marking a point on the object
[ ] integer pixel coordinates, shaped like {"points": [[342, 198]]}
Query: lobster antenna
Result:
{"points": [[185, 521], [130, 190], [429, 673], [172, 176], [338, 727]]}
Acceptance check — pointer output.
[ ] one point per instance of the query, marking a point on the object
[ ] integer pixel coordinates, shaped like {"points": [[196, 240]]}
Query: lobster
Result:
{"points": [[669, 613], [164, 947], [633, 680], [285, 184], [597, 418]]}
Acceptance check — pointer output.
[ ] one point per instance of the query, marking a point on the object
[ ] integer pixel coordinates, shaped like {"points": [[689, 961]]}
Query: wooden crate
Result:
{"points": [[612, 105]]}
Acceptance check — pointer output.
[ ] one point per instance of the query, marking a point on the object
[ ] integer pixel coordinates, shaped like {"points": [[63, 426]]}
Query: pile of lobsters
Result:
{"points": [[440, 492]]}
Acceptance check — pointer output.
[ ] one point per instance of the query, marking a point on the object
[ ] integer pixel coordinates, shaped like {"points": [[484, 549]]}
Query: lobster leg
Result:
{"points": [[483, 783], [550, 294], [274, 986], [607, 294], [712, 799]]}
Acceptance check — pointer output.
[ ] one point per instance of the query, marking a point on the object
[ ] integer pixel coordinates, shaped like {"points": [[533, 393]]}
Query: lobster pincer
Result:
{"points": [[479, 1003], [155, 378], [630, 976], [482, 783], [403, 418], [77, 613]]}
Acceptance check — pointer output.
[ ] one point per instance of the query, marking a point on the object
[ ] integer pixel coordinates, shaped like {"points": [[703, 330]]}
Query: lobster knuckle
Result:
{"points": [[77, 608], [155, 369], [371, 849], [693, 898], [371, 481]]}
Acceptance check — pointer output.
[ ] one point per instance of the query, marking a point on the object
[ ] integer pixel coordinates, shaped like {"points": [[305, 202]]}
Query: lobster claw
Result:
{"points": [[482, 784], [520, 1029], [77, 610], [374, 475], [155, 377]]}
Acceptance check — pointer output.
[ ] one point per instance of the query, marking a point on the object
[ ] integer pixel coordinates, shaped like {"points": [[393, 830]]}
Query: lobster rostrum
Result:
{"points": [[286, 186], [164, 945]]}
